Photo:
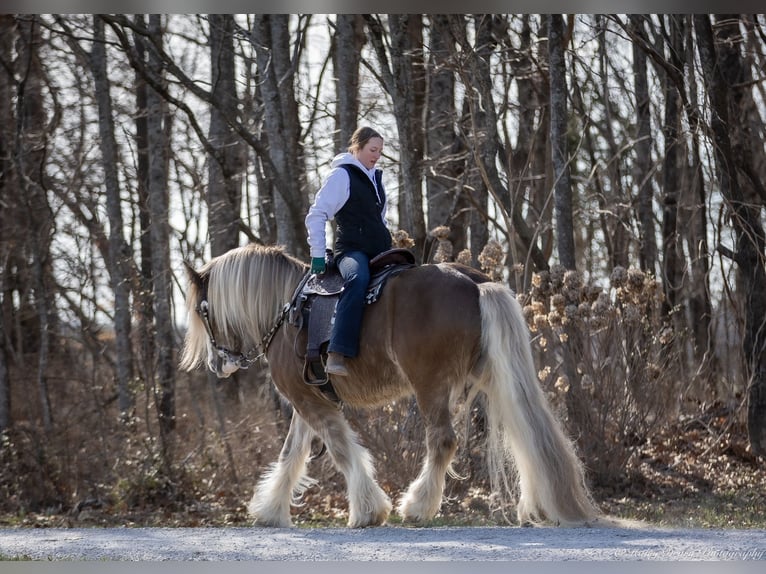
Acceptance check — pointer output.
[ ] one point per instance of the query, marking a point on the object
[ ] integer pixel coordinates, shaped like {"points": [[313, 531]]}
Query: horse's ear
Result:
{"points": [[194, 277]]}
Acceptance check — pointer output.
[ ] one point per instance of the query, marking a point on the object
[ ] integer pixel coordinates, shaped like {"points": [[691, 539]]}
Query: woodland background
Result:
{"points": [[610, 168]]}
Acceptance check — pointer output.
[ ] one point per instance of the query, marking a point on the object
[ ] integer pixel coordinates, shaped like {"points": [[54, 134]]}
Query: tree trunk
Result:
{"points": [[119, 251], [143, 298], [443, 166], [559, 148], [672, 271], [530, 158], [160, 237], [8, 189], [271, 38], [38, 216], [722, 74], [404, 80], [349, 39], [642, 172], [224, 192], [700, 306], [479, 134]]}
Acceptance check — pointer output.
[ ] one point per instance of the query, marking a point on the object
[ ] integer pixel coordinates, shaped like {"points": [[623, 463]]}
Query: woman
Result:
{"points": [[353, 195]]}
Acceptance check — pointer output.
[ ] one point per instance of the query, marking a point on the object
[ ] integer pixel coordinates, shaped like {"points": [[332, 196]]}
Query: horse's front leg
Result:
{"points": [[286, 480], [368, 504]]}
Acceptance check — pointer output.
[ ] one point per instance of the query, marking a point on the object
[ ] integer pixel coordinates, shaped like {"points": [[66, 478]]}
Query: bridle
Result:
{"points": [[240, 359]]}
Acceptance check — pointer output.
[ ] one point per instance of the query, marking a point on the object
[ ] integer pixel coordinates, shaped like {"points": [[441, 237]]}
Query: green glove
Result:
{"points": [[317, 264]]}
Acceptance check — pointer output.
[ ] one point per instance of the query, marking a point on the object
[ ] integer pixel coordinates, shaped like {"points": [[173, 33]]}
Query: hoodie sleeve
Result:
{"points": [[328, 201]]}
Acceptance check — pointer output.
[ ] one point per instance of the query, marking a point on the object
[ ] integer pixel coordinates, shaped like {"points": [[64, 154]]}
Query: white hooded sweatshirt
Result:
{"points": [[331, 198]]}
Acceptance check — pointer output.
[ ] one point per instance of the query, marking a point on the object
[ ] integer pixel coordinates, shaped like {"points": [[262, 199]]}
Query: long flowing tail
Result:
{"points": [[550, 476]]}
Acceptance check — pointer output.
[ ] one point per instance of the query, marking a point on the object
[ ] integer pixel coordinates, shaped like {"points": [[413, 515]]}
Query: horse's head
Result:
{"points": [[202, 336], [232, 302]]}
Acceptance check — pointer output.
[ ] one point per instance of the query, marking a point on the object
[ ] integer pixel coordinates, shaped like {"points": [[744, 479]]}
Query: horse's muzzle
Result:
{"points": [[222, 367]]}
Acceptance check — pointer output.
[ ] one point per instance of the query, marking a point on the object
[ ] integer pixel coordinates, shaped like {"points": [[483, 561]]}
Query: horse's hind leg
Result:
{"points": [[285, 480], [423, 498], [368, 505]]}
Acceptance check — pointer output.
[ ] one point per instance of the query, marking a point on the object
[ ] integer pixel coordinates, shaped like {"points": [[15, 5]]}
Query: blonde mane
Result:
{"points": [[247, 287]]}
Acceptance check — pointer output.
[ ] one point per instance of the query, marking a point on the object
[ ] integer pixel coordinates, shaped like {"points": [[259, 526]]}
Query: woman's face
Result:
{"points": [[369, 155]]}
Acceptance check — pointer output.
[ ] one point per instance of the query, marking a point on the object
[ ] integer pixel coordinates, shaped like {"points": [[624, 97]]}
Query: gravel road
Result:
{"points": [[390, 543]]}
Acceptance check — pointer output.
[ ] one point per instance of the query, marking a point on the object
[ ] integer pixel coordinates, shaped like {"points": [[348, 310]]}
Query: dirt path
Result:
{"points": [[382, 544]]}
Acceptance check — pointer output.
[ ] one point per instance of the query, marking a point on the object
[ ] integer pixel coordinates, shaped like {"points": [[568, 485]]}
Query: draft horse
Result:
{"points": [[440, 332]]}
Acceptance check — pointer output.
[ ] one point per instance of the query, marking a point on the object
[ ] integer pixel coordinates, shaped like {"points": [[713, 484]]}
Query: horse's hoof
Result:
{"points": [[369, 521]]}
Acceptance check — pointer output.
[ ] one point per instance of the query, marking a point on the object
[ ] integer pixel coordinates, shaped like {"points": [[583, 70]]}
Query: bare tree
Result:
{"points": [[37, 214], [276, 67], [696, 236], [143, 299], [530, 157], [642, 168], [444, 161], [159, 234], [349, 39], [560, 153], [7, 225], [402, 72], [672, 261], [224, 191], [722, 66], [119, 250]]}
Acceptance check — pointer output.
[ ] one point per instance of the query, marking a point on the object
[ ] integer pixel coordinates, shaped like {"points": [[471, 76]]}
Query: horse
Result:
{"points": [[440, 332]]}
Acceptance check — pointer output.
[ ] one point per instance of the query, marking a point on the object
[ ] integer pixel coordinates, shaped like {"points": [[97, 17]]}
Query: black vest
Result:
{"points": [[360, 220]]}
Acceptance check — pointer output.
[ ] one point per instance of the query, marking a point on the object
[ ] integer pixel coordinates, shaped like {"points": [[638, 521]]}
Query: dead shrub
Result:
{"points": [[608, 361]]}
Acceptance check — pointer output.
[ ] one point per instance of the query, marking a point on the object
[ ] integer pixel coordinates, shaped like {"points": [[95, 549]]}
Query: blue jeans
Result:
{"points": [[354, 266]]}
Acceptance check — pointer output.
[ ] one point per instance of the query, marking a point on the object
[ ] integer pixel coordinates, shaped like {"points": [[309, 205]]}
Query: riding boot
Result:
{"points": [[336, 365]]}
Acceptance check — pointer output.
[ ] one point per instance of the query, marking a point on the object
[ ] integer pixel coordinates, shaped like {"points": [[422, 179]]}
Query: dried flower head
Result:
{"points": [[636, 279], [555, 317], [601, 305], [557, 275], [619, 277], [558, 302], [592, 293], [573, 279], [529, 314], [440, 233], [491, 259], [465, 257], [443, 252], [632, 313], [570, 312], [401, 239]]}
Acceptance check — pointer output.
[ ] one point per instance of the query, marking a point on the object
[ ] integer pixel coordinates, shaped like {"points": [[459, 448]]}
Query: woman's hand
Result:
{"points": [[317, 265]]}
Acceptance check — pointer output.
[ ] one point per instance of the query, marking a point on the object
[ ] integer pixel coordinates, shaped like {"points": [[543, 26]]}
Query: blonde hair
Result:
{"points": [[360, 138]]}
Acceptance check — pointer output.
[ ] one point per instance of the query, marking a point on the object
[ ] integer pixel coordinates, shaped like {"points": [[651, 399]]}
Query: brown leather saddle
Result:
{"points": [[313, 308]]}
